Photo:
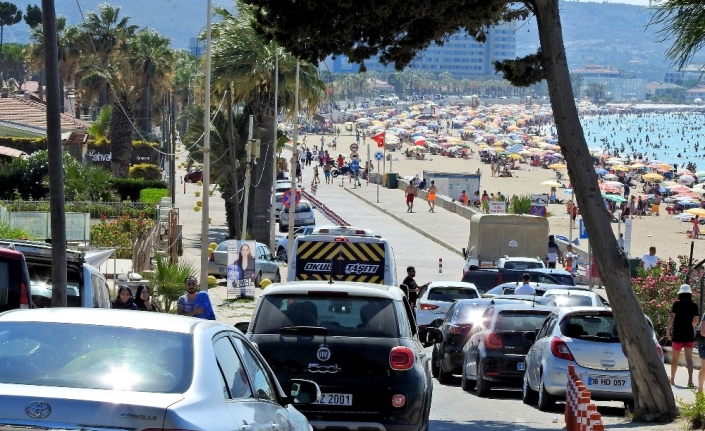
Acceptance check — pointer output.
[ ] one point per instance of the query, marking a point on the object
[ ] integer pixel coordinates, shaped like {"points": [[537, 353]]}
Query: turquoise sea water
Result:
{"points": [[668, 137]]}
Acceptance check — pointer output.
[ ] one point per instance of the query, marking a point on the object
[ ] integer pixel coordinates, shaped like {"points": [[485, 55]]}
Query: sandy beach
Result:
{"points": [[664, 232]]}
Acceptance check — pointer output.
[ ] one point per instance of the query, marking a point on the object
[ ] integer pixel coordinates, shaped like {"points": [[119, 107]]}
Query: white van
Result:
{"points": [[343, 253]]}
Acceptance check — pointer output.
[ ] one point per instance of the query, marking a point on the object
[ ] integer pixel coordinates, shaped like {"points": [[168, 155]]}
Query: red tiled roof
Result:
{"points": [[33, 114]]}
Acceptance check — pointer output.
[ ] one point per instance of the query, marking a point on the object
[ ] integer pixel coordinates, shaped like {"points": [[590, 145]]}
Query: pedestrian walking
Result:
{"points": [[432, 197], [316, 179], [326, 172], [410, 195], [680, 331], [554, 253]]}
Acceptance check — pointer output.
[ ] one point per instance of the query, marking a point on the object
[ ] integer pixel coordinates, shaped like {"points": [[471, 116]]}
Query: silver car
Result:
{"points": [[303, 216], [75, 368], [265, 264], [587, 338], [435, 301], [576, 298]]}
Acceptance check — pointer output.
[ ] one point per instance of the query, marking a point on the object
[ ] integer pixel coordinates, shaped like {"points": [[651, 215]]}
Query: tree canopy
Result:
{"points": [[683, 24]]}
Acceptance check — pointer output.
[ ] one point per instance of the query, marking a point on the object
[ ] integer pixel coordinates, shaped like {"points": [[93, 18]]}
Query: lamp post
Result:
{"points": [[206, 157]]}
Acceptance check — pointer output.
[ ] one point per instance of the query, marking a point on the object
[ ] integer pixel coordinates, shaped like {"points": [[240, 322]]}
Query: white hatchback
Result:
{"points": [[303, 216], [435, 301]]}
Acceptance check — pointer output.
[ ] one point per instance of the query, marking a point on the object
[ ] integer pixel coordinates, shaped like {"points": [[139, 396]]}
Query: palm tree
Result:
{"points": [[683, 23], [185, 75], [244, 61], [152, 59]]}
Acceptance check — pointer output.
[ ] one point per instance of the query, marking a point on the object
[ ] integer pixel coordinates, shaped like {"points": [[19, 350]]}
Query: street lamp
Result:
{"points": [[206, 157]]}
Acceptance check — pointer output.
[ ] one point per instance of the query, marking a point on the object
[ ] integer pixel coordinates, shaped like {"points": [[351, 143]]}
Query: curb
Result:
{"points": [[406, 223]]}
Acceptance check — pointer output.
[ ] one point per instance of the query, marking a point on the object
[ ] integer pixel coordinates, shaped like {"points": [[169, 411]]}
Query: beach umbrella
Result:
{"points": [[614, 183], [614, 198], [637, 166], [610, 177], [599, 171], [700, 174], [700, 212], [684, 172], [558, 166], [652, 177], [697, 191], [621, 168], [686, 179], [515, 156], [552, 183], [525, 153], [420, 142]]}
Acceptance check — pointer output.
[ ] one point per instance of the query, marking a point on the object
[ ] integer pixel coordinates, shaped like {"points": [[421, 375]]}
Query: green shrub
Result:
{"points": [[10, 232], [153, 196], [168, 281], [120, 232], [11, 174], [146, 171], [95, 209], [129, 188], [693, 413]]}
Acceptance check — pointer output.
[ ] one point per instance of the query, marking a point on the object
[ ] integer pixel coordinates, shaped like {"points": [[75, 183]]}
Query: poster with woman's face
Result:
{"points": [[241, 271]]}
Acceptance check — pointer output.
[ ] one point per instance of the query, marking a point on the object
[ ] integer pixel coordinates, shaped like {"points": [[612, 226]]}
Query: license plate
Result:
{"points": [[335, 399], [611, 382], [521, 366]]}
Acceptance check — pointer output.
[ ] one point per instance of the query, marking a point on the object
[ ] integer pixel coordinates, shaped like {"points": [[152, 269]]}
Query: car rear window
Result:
{"points": [[567, 280], [450, 294], [95, 357], [593, 326], [470, 313], [572, 300], [522, 265], [302, 208], [340, 316], [483, 280], [520, 320]]}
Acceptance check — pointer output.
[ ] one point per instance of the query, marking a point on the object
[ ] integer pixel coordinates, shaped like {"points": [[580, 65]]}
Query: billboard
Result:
{"points": [[241, 271]]}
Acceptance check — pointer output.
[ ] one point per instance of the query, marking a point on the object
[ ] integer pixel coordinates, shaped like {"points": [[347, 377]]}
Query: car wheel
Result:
{"points": [[334, 174], [482, 386], [434, 363], [546, 400], [528, 395], [466, 383], [444, 377], [277, 277], [281, 254], [258, 279]]}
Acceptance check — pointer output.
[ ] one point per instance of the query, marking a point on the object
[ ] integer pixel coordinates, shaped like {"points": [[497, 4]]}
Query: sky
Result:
{"points": [[634, 2]]}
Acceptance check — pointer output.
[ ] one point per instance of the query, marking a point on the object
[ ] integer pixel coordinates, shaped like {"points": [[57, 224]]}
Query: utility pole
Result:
{"points": [[172, 153], [234, 163], [294, 162], [272, 225], [205, 200], [248, 173], [56, 168]]}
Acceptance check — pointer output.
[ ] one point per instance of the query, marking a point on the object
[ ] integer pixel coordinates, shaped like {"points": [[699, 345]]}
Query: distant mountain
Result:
{"points": [[608, 34]]}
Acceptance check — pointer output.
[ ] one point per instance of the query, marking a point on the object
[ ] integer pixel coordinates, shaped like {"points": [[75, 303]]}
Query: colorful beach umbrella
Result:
{"points": [[558, 166]]}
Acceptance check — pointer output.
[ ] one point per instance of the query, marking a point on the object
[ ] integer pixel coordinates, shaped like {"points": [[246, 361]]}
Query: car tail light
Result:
{"points": [[493, 341], [560, 349], [24, 296], [398, 400], [459, 329], [425, 306], [401, 358], [212, 257]]}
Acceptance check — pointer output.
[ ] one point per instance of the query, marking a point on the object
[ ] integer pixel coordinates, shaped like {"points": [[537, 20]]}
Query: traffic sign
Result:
{"points": [[379, 156], [583, 234], [355, 165], [286, 198], [354, 147], [354, 156]]}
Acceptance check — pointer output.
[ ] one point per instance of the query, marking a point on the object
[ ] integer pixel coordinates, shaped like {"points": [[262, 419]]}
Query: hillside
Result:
{"points": [[609, 34]]}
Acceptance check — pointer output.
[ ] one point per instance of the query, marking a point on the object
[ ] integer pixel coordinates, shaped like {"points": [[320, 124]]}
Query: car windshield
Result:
{"points": [[348, 316], [565, 300], [592, 326], [520, 320], [450, 294], [469, 313], [303, 208], [95, 357]]}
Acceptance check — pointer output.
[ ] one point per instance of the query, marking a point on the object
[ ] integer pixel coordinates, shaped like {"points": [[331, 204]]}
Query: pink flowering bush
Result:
{"points": [[657, 288]]}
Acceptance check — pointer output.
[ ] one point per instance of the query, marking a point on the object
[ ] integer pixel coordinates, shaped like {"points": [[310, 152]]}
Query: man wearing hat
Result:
{"points": [[680, 329]]}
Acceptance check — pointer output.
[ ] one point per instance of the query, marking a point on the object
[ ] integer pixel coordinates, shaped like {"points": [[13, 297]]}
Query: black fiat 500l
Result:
{"points": [[358, 342]]}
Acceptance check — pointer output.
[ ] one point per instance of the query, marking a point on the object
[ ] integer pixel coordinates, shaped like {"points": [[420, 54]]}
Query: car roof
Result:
{"points": [[518, 305], [483, 301], [522, 259], [579, 291], [451, 283], [550, 271], [104, 317], [562, 311], [352, 288], [542, 286], [13, 254]]}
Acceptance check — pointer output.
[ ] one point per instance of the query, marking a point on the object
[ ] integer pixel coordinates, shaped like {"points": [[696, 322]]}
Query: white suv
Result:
{"points": [[520, 263]]}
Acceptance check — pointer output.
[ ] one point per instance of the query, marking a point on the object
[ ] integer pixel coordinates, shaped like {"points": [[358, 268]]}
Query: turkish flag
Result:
{"points": [[379, 138]]}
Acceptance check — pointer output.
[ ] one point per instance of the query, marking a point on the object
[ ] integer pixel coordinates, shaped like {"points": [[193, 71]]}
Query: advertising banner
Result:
{"points": [[241, 269]]}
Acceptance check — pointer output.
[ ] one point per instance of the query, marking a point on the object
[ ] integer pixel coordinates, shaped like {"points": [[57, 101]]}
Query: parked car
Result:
{"points": [[494, 354], [283, 185], [487, 278], [561, 275], [450, 333], [265, 264], [168, 372], [303, 216], [356, 340], [278, 205], [509, 288], [283, 242], [193, 177], [576, 298], [15, 285], [586, 337], [435, 300], [528, 299], [86, 285], [519, 263]]}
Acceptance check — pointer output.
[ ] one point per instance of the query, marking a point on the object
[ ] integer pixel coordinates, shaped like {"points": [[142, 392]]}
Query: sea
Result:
{"points": [[673, 137]]}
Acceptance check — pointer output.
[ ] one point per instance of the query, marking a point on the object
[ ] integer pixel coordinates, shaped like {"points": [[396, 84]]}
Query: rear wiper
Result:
{"points": [[312, 330]]}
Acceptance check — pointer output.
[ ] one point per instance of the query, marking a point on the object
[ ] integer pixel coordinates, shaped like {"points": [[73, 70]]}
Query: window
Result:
{"points": [[263, 386], [450, 294], [520, 320], [235, 381]]}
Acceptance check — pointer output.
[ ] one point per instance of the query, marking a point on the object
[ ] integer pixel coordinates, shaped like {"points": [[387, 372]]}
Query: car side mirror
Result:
{"points": [[529, 336], [436, 323], [303, 392], [434, 334], [242, 326]]}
